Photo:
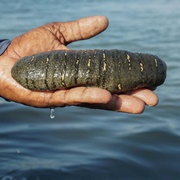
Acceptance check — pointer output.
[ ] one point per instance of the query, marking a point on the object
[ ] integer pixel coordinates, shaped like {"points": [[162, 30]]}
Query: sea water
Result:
{"points": [[82, 143]]}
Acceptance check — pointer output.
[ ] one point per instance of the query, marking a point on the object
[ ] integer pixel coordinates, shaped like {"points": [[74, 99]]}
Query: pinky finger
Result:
{"points": [[128, 104], [146, 95]]}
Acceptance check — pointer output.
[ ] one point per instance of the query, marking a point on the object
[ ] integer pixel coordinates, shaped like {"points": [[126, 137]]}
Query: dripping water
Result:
{"points": [[52, 116]]}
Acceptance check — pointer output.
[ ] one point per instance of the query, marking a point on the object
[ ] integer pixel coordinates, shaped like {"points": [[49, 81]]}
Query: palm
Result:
{"points": [[42, 39]]}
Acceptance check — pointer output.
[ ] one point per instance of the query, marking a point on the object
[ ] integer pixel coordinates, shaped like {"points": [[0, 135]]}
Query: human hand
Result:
{"points": [[56, 36]]}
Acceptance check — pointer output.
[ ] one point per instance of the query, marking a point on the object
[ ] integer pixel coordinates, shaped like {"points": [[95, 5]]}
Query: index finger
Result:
{"points": [[84, 28]]}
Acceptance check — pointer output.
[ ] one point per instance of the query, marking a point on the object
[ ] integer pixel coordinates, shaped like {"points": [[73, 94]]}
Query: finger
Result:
{"points": [[81, 95], [97, 98], [83, 28], [126, 103], [146, 95], [74, 96]]}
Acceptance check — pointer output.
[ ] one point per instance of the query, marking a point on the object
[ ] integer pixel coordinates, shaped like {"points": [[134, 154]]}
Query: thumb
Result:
{"points": [[84, 28]]}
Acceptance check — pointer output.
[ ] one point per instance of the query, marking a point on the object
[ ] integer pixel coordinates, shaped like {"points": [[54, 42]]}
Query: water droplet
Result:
{"points": [[52, 116]]}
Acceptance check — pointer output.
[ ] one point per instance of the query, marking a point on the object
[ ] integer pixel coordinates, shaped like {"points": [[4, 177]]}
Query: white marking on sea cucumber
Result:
{"points": [[89, 62], [33, 57], [129, 61], [104, 67], [141, 67], [104, 63], [119, 86], [104, 56], [77, 61], [156, 62], [62, 79], [47, 60], [128, 57]]}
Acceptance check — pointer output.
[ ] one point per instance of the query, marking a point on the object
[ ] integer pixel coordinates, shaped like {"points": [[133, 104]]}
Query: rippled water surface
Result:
{"points": [[81, 143]]}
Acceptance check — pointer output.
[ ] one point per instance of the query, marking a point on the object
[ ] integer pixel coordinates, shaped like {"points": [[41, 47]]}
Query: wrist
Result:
{"points": [[4, 43]]}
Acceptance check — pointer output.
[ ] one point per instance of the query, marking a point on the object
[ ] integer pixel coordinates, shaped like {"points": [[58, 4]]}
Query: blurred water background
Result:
{"points": [[81, 143]]}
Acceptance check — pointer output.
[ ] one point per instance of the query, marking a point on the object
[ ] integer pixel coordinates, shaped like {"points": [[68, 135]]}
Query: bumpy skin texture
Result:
{"points": [[114, 70]]}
